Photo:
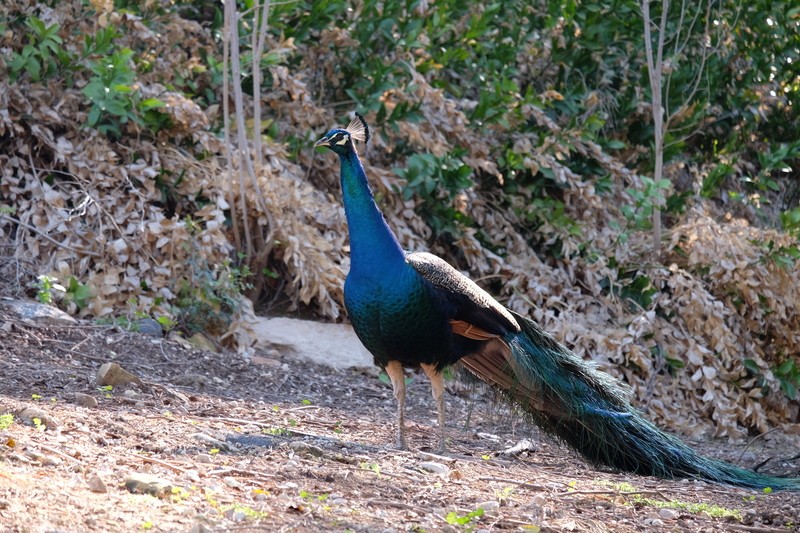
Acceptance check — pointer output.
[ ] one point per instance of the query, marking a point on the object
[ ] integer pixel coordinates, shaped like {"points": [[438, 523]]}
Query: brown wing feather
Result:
{"points": [[474, 306]]}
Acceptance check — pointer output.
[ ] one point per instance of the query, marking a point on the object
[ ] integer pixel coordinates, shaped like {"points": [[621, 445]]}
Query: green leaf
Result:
{"points": [[786, 368], [151, 103]]}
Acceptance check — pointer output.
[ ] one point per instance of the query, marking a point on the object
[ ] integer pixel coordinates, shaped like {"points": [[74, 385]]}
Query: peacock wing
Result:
{"points": [[477, 315]]}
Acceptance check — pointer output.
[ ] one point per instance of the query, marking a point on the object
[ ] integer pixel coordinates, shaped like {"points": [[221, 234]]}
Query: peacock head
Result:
{"points": [[341, 140]]}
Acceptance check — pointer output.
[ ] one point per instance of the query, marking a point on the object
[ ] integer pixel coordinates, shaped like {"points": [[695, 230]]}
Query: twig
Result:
{"points": [[524, 484], [399, 505], [239, 472], [60, 454], [438, 457], [739, 461], [163, 463]]}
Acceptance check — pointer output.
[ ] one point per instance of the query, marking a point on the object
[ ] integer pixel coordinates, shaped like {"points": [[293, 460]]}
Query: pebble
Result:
{"points": [[237, 515], [232, 482], [668, 514], [193, 476], [303, 448], [538, 500], [656, 522], [203, 458], [114, 375], [28, 414], [435, 468], [85, 400], [147, 484], [96, 484], [148, 326], [490, 505]]}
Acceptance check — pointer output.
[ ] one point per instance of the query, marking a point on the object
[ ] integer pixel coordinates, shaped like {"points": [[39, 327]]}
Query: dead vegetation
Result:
{"points": [[139, 219]]}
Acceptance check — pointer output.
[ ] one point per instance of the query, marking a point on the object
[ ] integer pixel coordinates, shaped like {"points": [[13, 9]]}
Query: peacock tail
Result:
{"points": [[589, 410]]}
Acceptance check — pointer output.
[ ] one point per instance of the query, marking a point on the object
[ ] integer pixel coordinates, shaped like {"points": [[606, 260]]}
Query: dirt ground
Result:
{"points": [[269, 444]]}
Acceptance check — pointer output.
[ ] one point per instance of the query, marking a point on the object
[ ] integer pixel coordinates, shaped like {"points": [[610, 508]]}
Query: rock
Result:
{"points": [[303, 448], [114, 375], [655, 522], [191, 379], [200, 341], [211, 441], [85, 400], [147, 484], [332, 345], [488, 506], [668, 514], [96, 484], [201, 528], [203, 458], [38, 313], [435, 468], [29, 415], [148, 326], [524, 445], [193, 476], [538, 500], [232, 482], [236, 515]]}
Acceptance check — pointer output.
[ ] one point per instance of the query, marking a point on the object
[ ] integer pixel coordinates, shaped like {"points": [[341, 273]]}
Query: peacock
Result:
{"points": [[412, 309]]}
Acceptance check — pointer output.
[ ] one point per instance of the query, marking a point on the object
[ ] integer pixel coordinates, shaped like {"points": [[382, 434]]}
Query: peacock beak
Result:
{"points": [[325, 141]]}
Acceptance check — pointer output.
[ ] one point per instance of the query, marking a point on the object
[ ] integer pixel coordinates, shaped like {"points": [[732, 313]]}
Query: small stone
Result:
{"points": [[200, 341], [193, 476], [668, 514], [201, 528], [30, 415], [203, 458], [303, 448], [488, 506], [114, 375], [96, 484], [85, 400], [147, 484], [538, 500], [434, 468], [655, 522], [148, 326], [38, 313], [231, 482], [211, 441], [237, 515]]}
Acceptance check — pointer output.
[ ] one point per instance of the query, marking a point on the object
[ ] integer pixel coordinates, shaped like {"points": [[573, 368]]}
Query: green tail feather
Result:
{"points": [[589, 410]]}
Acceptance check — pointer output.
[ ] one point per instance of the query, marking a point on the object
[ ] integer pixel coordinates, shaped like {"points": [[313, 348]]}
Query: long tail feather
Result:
{"points": [[589, 410]]}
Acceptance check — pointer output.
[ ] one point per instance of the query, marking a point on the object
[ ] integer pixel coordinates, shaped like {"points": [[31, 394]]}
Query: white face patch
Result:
{"points": [[342, 142]]}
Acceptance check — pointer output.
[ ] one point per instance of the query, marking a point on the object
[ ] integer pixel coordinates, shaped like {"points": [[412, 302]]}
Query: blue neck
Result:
{"points": [[373, 246]]}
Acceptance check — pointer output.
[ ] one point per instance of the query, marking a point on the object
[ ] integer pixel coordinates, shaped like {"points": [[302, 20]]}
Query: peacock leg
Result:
{"points": [[395, 371], [437, 389]]}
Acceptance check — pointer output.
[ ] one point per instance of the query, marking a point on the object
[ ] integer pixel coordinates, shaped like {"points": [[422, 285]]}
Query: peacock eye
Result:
{"points": [[340, 139]]}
